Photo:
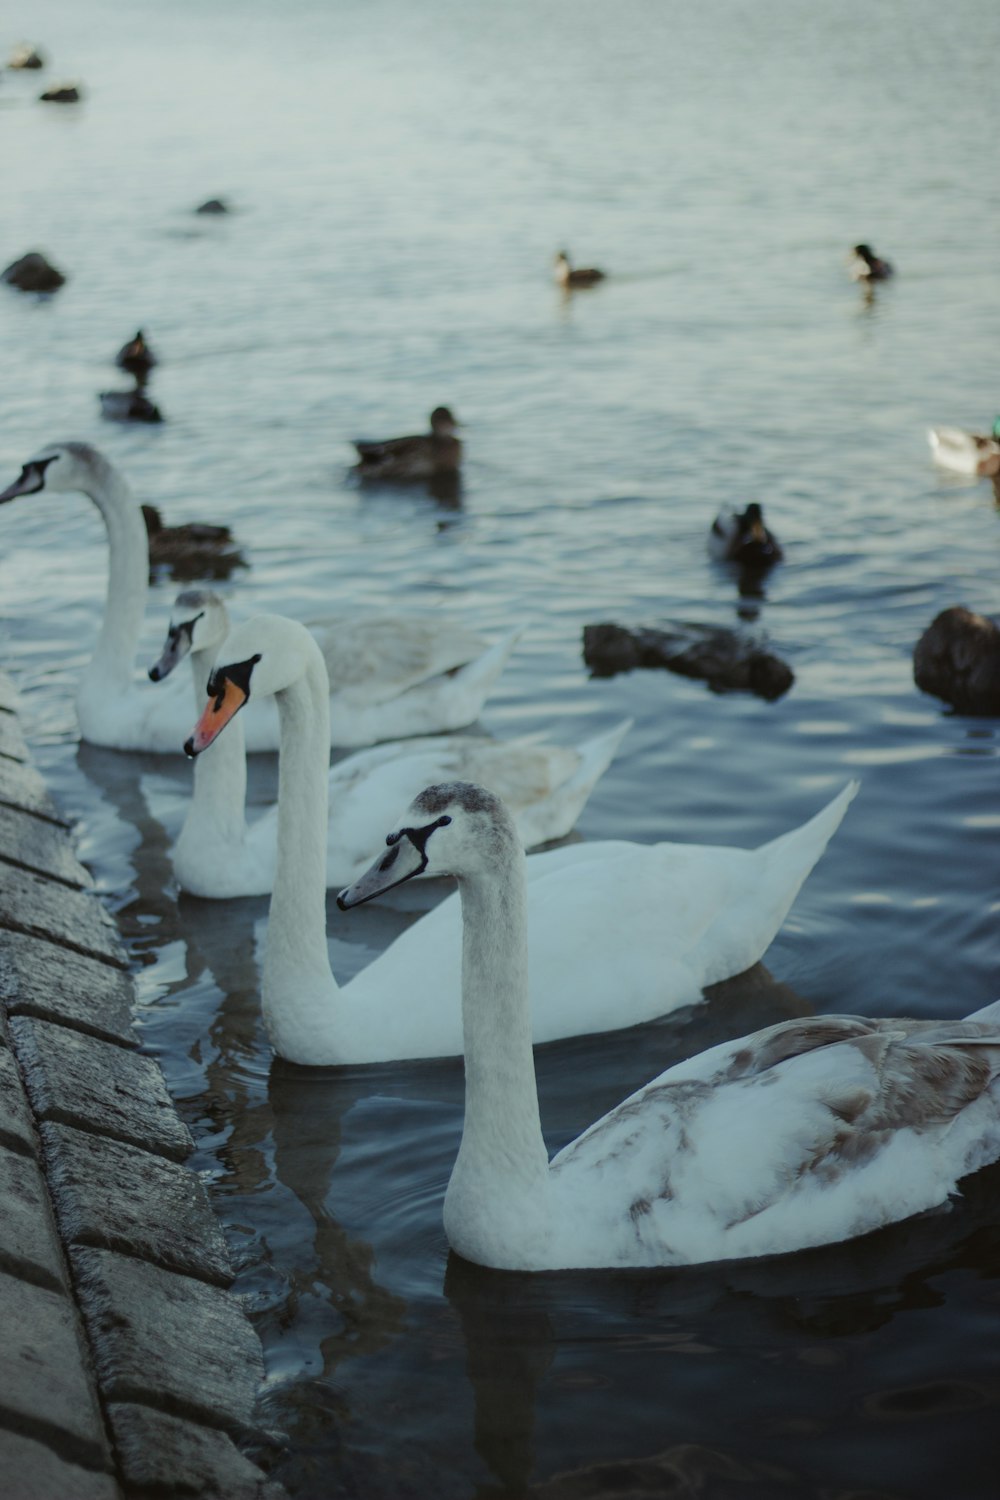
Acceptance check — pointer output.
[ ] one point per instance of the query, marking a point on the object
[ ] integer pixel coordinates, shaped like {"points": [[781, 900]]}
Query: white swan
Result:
{"points": [[966, 452], [218, 855], [620, 932], [391, 675], [805, 1133]]}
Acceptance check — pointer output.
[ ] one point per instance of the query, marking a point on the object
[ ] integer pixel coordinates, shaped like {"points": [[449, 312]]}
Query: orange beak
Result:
{"points": [[218, 712]]}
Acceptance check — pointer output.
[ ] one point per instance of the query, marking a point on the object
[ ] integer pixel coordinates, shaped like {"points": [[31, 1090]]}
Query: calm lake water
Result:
{"points": [[402, 176]]}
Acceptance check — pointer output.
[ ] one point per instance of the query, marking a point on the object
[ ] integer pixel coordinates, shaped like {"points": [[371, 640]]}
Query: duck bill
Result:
{"points": [[218, 712], [402, 861]]}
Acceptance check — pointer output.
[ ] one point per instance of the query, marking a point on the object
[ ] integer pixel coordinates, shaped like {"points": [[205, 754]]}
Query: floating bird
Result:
{"points": [[569, 278], [958, 659], [212, 206], [419, 457], [136, 356], [742, 537], [61, 93], [391, 675], [865, 265], [621, 932], [128, 406], [218, 855], [966, 452], [26, 57], [192, 550], [32, 273], [806, 1133]]}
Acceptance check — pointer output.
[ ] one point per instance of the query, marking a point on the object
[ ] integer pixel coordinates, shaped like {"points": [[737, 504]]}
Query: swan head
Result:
{"points": [[198, 621], [263, 656], [454, 828], [59, 467]]}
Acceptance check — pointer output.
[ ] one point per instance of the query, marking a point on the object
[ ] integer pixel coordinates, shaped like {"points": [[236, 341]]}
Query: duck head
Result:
{"points": [[198, 622], [443, 422], [455, 828]]}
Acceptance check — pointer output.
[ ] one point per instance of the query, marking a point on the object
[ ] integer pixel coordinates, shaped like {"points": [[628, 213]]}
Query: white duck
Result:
{"points": [[218, 855], [621, 932], [966, 452], [809, 1132], [391, 675]]}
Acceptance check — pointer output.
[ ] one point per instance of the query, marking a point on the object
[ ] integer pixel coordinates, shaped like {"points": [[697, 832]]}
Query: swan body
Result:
{"points": [[391, 675], [620, 932], [865, 265], [568, 276], [966, 452], [422, 456], [218, 855], [741, 536], [806, 1133]]}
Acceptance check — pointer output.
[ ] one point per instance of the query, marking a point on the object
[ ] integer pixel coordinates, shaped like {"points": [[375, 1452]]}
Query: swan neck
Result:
{"points": [[296, 960], [111, 666], [503, 1133]]}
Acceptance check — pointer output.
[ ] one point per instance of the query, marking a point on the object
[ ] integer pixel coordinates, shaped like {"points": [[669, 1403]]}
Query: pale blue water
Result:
{"points": [[402, 176]]}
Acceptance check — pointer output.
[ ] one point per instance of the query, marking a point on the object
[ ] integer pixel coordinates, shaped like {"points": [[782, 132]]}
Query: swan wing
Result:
{"points": [[371, 659]]}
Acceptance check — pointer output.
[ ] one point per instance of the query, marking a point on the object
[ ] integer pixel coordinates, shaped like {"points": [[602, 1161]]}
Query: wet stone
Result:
{"points": [[22, 786], [45, 1391], [117, 1197], [43, 1475], [163, 1455], [17, 1132], [46, 909], [12, 743], [168, 1341], [43, 847], [80, 1080], [8, 694], [29, 1242], [41, 979]]}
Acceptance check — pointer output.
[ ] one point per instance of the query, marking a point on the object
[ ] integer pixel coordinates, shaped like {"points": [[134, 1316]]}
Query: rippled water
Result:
{"points": [[402, 176]]}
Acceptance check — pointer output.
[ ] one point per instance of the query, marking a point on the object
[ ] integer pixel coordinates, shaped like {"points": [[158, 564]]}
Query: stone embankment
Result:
{"points": [[129, 1369]]}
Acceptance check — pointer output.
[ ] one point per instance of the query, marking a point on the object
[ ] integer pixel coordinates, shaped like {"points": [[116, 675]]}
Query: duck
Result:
{"points": [[136, 356], [419, 457], [570, 278], [957, 659], [192, 550], [811, 1131], [966, 452], [865, 265], [742, 537], [129, 406], [621, 932], [218, 856], [393, 675], [62, 93]]}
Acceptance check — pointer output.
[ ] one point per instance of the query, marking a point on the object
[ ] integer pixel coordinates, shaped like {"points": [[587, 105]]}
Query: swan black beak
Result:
{"points": [[30, 480], [405, 857]]}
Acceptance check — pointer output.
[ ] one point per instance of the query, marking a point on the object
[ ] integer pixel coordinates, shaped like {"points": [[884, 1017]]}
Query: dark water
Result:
{"points": [[403, 175]]}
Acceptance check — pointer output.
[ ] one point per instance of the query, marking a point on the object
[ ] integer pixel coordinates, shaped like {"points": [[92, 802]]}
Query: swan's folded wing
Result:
{"points": [[380, 656]]}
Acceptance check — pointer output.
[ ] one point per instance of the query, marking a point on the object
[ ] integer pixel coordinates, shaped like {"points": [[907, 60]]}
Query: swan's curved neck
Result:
{"points": [[297, 979], [110, 668], [502, 1157], [218, 804]]}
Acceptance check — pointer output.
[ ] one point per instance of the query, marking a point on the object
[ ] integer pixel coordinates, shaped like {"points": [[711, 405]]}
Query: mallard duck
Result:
{"points": [[634, 930], [62, 93], [218, 855], [391, 674], [957, 659], [742, 537], [212, 206], [865, 265], [136, 356], [128, 406], [809, 1132], [582, 276], [966, 452], [27, 57], [419, 457], [192, 550]]}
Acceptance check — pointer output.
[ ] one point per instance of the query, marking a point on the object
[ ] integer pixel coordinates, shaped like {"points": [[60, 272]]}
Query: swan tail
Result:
{"points": [[481, 673], [596, 755], [989, 1013], [555, 815]]}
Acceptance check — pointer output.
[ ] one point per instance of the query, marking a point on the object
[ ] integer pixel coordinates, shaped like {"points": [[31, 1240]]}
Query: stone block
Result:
{"points": [[17, 1132], [41, 979], [22, 786], [80, 1080], [43, 847], [46, 1391], [12, 741], [164, 1455], [43, 1475], [8, 694], [117, 1197], [29, 1242], [165, 1340], [75, 919]]}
